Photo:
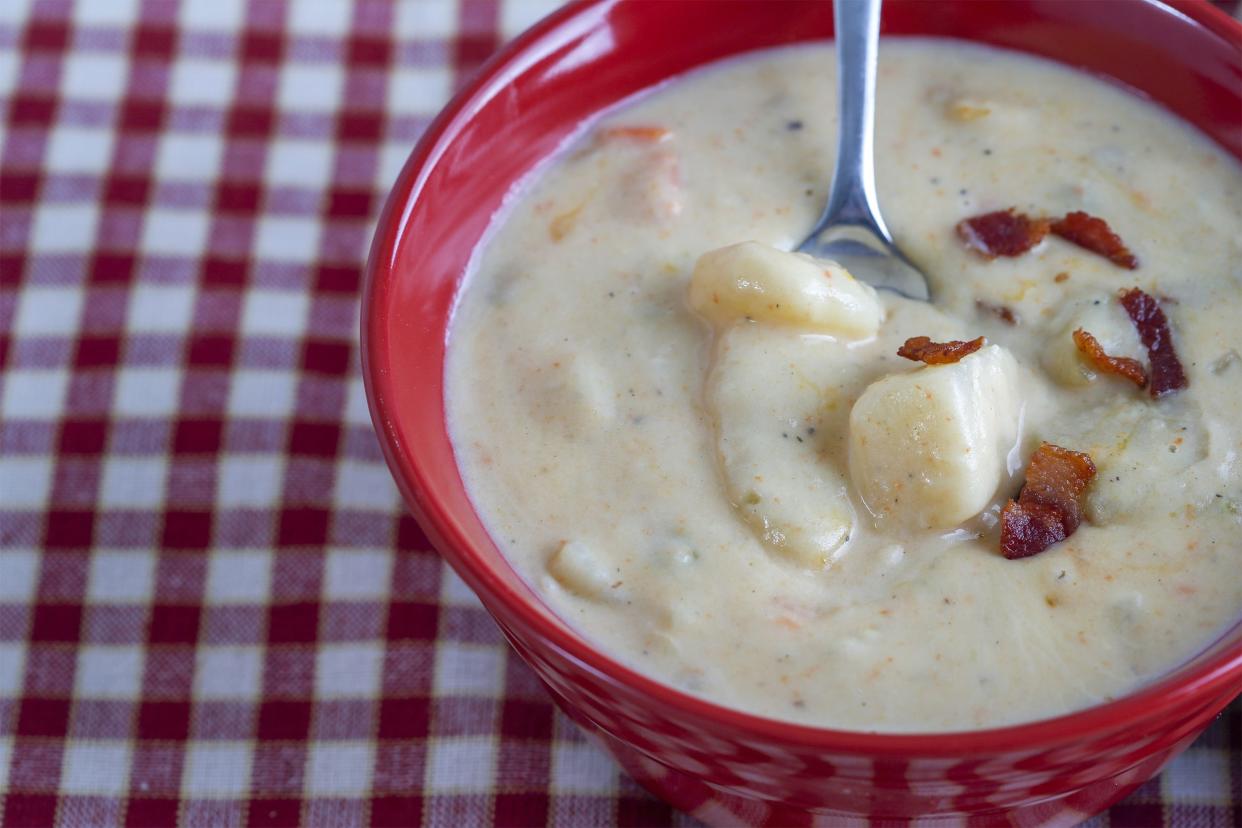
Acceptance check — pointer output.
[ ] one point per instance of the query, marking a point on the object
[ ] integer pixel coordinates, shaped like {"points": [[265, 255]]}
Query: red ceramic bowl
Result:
{"points": [[723, 765]]}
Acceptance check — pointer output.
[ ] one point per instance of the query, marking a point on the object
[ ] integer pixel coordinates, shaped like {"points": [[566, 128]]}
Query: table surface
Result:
{"points": [[213, 609]]}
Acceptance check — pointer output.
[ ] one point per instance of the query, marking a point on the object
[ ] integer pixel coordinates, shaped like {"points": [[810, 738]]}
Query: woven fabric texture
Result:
{"points": [[213, 610]]}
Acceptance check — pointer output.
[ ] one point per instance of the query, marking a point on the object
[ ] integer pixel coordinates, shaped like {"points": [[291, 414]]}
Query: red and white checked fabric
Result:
{"points": [[213, 610]]}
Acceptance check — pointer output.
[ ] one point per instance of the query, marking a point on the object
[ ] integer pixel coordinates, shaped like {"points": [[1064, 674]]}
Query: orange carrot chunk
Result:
{"points": [[648, 134]]}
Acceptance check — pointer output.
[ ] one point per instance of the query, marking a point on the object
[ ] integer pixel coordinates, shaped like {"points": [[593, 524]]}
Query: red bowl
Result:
{"points": [[721, 764]]}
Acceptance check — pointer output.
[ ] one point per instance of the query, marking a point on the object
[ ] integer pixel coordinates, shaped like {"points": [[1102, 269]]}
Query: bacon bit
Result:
{"points": [[1126, 367], [1002, 233], [647, 134], [1002, 312], [1094, 234], [922, 349], [1047, 510], [1061, 277], [1167, 375]]}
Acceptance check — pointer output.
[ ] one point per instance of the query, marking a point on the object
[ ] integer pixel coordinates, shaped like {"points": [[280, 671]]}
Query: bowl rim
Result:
{"points": [[1150, 701]]}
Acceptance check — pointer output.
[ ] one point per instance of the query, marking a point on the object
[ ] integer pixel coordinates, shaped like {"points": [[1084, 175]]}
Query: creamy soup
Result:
{"points": [[715, 496]]}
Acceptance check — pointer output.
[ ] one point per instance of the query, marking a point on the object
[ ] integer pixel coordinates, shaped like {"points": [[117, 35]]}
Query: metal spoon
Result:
{"points": [[851, 230]]}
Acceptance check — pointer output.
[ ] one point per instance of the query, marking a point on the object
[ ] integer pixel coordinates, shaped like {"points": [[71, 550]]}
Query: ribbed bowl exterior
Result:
{"points": [[725, 766]]}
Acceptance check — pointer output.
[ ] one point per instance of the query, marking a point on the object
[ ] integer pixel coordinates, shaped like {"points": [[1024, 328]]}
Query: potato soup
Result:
{"points": [[706, 455]]}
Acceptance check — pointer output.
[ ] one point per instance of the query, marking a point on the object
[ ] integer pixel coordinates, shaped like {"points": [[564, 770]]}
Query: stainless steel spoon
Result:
{"points": [[850, 230]]}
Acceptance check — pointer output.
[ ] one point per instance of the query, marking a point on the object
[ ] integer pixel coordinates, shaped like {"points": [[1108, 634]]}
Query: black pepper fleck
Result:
{"points": [[793, 126]]}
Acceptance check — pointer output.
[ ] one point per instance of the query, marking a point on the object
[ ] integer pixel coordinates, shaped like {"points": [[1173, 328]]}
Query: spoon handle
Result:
{"points": [[852, 198]]}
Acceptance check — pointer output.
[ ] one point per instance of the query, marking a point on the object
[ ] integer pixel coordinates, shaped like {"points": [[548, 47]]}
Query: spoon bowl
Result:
{"points": [[869, 254], [851, 230]]}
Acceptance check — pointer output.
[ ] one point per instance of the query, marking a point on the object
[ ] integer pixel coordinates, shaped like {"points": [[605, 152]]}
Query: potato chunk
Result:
{"points": [[928, 447], [580, 570], [755, 281], [1107, 322], [577, 397], [1143, 453], [762, 393]]}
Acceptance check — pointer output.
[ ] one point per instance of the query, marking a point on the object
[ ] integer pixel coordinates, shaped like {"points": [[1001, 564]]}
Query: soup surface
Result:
{"points": [[681, 492]]}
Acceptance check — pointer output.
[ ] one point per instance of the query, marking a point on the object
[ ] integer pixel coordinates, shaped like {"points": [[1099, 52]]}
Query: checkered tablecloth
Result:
{"points": [[213, 610]]}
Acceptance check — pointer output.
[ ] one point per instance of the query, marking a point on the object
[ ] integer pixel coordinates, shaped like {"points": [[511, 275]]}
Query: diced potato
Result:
{"points": [[928, 447], [578, 397], [1141, 452], [755, 281], [650, 189], [794, 500], [674, 553], [578, 568], [984, 108], [1103, 318]]}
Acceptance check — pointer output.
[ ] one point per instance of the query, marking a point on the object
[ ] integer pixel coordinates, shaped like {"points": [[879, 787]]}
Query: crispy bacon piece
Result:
{"points": [[1094, 234], [1167, 375], [922, 349], [1002, 233], [1131, 369], [1048, 509], [1002, 312]]}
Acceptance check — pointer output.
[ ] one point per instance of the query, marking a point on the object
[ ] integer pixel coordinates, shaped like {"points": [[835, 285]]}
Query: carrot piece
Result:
{"points": [[647, 134]]}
